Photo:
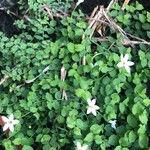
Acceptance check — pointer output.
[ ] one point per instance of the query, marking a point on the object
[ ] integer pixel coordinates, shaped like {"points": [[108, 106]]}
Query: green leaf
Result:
{"points": [[114, 13], [130, 8], [81, 24], [83, 94], [143, 141], [144, 63], [17, 141], [98, 139], [23, 141], [46, 138], [71, 122], [71, 47], [83, 84], [122, 107], [120, 18], [106, 80], [142, 129], [137, 108], [127, 16], [115, 98], [79, 32], [143, 117], [139, 6], [48, 147], [27, 147], [89, 138], [118, 148], [8, 145], [136, 79], [113, 140], [33, 109], [60, 119], [54, 48], [148, 34], [77, 131], [142, 18], [79, 47], [53, 23], [49, 96], [132, 136], [96, 129], [82, 125], [132, 121], [148, 16], [124, 141], [146, 102]]}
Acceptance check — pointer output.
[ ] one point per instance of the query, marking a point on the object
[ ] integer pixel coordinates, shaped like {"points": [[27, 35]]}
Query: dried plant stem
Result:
{"points": [[105, 19], [125, 3], [129, 42], [4, 79], [110, 5]]}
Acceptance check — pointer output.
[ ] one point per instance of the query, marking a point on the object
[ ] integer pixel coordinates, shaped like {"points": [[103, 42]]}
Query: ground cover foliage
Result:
{"points": [[50, 70]]}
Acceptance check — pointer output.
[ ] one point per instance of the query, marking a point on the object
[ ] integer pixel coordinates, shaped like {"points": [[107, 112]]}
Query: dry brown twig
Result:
{"points": [[135, 37], [99, 18], [96, 15], [101, 39], [126, 40], [99, 27], [110, 5], [63, 74], [124, 4], [51, 15], [4, 79], [48, 10], [93, 14], [64, 95], [129, 42]]}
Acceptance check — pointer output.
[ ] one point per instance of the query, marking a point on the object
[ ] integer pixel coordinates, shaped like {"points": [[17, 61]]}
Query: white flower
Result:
{"points": [[125, 63], [80, 147], [79, 2], [9, 122], [92, 108], [113, 123]]}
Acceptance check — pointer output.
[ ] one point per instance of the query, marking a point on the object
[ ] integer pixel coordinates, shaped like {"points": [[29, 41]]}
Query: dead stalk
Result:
{"points": [[4, 79]]}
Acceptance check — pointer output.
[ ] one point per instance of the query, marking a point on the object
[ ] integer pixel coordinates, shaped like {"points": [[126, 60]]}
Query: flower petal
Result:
{"points": [[94, 112], [127, 68], [93, 101], [5, 127], [84, 147], [15, 122], [11, 127], [89, 110], [121, 58], [113, 126], [5, 119], [89, 102], [130, 63], [120, 64], [96, 107], [78, 145], [113, 123], [126, 57], [11, 117]]}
